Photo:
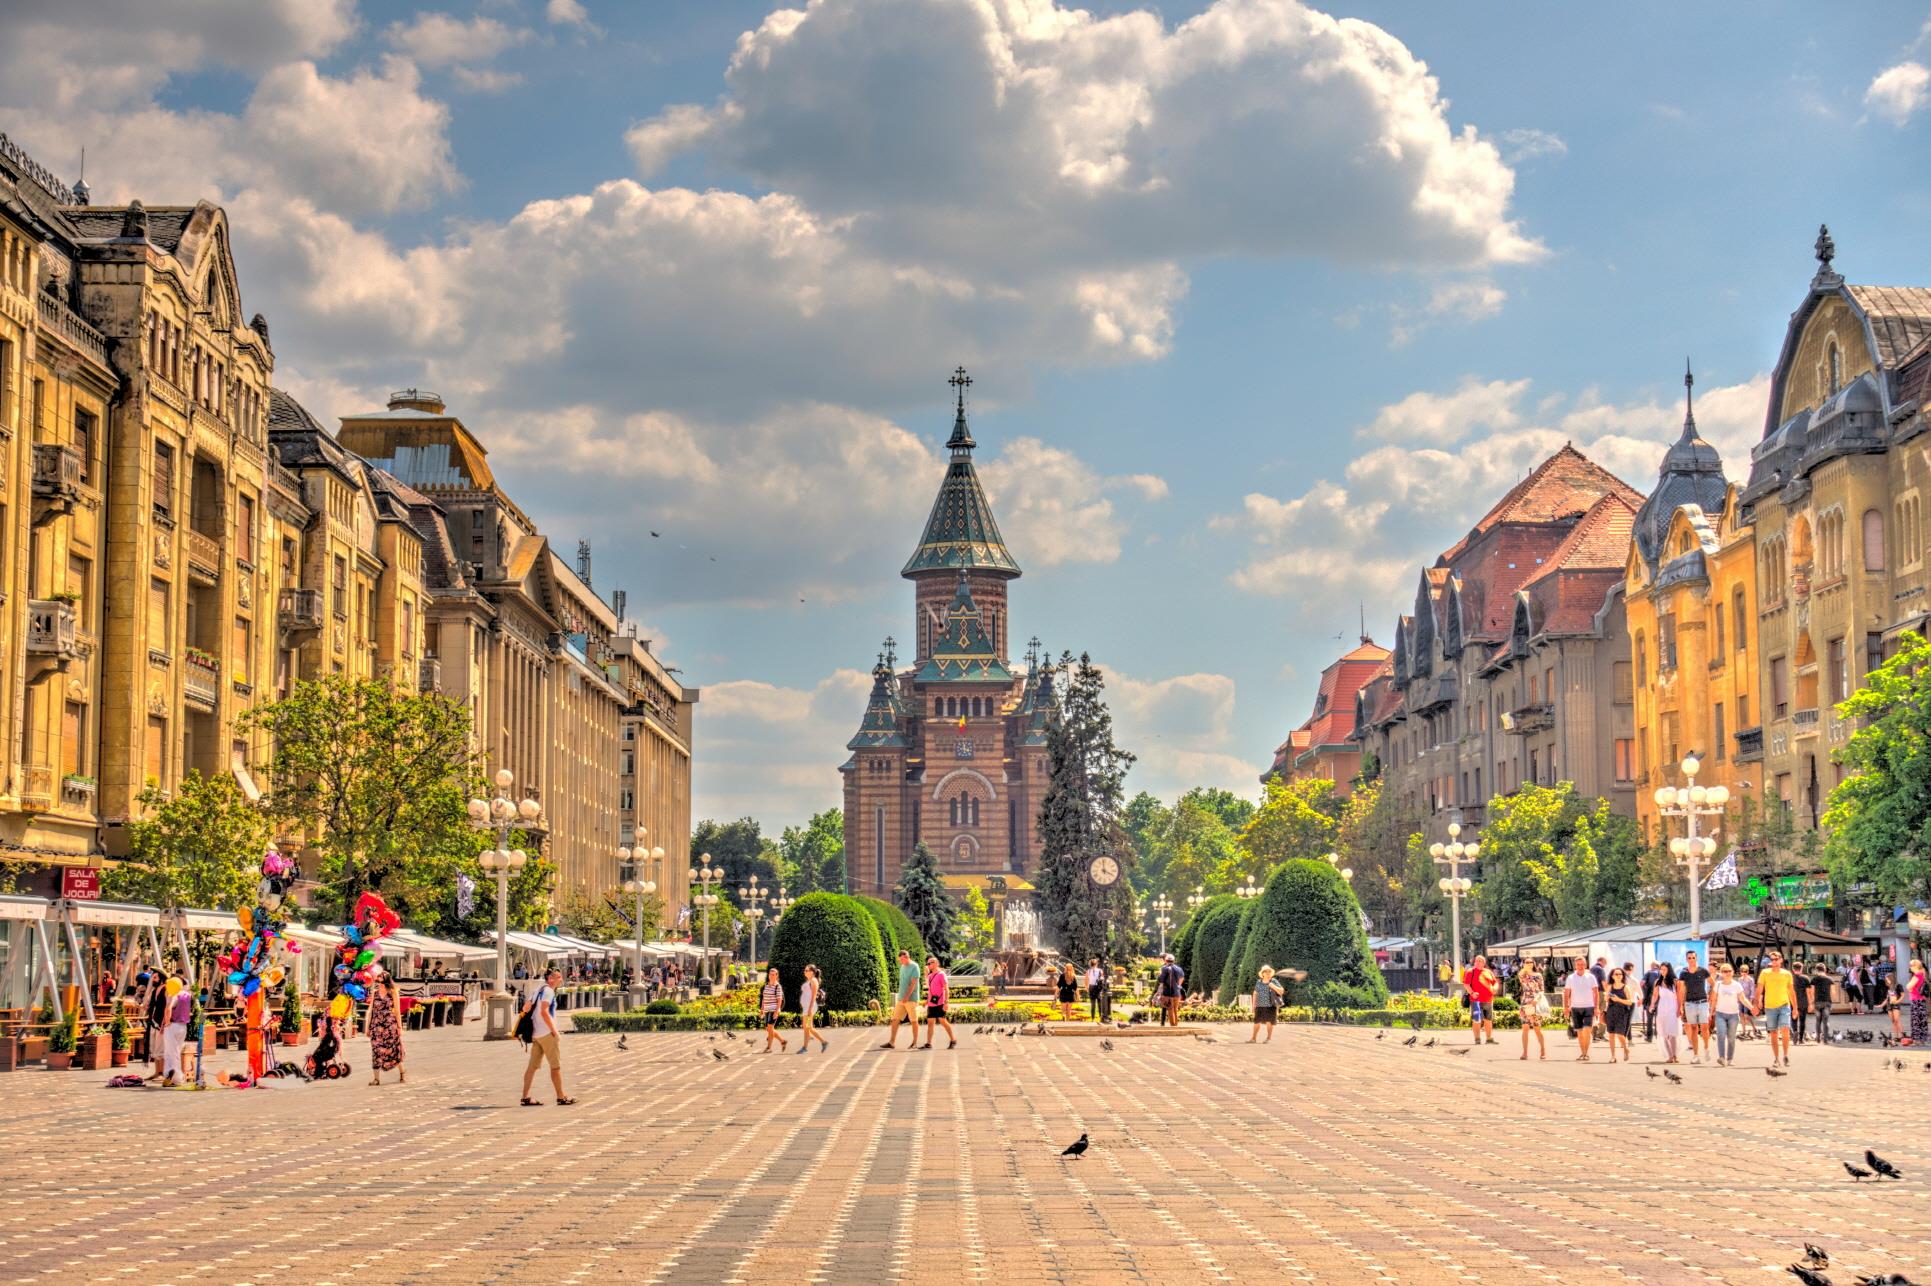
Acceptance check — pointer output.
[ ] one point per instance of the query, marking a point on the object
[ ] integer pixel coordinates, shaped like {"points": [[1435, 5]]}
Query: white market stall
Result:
{"points": [[71, 916], [26, 954]]}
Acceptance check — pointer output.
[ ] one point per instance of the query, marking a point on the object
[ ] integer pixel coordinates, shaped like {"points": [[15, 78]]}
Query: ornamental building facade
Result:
{"points": [[951, 750]]}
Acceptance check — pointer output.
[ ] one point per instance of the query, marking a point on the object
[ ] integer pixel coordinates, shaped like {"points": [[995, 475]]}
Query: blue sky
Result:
{"points": [[1263, 308]]}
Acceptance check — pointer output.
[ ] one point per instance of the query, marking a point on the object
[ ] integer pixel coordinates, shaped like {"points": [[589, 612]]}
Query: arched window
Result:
{"points": [[975, 812], [1642, 658], [938, 707], [1836, 364], [952, 811], [1717, 655], [1738, 626], [1873, 541]]}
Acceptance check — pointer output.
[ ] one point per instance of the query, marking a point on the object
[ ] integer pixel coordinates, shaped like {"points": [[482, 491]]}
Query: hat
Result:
{"points": [[1169, 957]]}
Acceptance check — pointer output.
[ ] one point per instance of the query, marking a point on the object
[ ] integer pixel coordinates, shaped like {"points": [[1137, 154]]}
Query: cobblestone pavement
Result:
{"points": [[1328, 1156]]}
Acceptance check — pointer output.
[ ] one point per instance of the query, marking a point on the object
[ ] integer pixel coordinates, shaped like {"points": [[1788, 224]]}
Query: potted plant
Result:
{"points": [[122, 1035], [95, 1049], [291, 1024], [61, 1045]]}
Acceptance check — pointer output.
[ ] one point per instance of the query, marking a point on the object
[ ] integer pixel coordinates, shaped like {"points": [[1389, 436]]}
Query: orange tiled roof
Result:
{"points": [[1570, 586]]}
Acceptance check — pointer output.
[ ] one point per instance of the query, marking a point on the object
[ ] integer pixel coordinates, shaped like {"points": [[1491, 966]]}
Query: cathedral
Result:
{"points": [[951, 751]]}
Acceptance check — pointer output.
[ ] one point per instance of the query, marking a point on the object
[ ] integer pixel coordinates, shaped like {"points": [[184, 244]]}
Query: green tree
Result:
{"points": [[1232, 982], [378, 779], [920, 893], [1422, 898], [1308, 919], [896, 933], [1233, 811], [1295, 820], [1184, 944], [202, 847], [972, 931], [1142, 819], [833, 932], [1080, 817], [1525, 827], [1879, 817], [812, 856], [1372, 840], [1219, 922], [592, 918], [739, 847], [1192, 848]]}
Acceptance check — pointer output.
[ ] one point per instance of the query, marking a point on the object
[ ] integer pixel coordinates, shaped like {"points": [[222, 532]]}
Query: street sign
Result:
{"points": [[80, 883]]}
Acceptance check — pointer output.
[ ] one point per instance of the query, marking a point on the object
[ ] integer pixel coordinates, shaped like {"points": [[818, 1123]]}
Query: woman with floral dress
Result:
{"points": [[1918, 992], [385, 1030], [1528, 984]]}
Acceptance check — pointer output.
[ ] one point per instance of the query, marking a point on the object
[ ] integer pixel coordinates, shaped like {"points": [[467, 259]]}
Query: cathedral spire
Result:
{"points": [[1689, 404], [960, 533], [961, 439]]}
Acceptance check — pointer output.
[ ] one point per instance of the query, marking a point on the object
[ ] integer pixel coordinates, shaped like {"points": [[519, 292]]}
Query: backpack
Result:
{"points": [[525, 1030]]}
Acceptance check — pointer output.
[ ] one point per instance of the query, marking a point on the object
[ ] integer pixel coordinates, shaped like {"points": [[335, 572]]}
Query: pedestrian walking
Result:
{"points": [[546, 1042], [1268, 995], [1068, 991], [1095, 984], [1668, 1006], [154, 1006], [1696, 1005], [1580, 992], [1651, 976], [1876, 985], [1534, 1003], [809, 993], [1729, 1002], [385, 1031], [1918, 992], [1480, 982], [1749, 980], [904, 1006], [1894, 1005], [180, 1012], [1167, 989], [938, 990], [1621, 1006], [1800, 1011], [1820, 998], [1776, 989], [770, 1002]]}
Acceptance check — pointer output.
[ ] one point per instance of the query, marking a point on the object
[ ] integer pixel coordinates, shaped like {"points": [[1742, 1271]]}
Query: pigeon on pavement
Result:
{"points": [[1816, 1256], [1856, 1173], [1672, 1077], [1806, 1276], [1880, 1165], [1076, 1149]]}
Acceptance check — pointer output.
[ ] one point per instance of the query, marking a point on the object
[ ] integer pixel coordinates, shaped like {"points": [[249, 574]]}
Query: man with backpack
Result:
{"points": [[1167, 990], [537, 1028]]}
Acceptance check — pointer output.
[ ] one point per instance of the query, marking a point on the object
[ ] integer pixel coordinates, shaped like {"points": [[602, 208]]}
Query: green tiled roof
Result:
{"points": [[963, 653], [879, 728], [960, 533]]}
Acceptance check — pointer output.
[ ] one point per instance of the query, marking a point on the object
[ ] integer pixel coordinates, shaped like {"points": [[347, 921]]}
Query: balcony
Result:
{"points": [[1804, 722], [52, 629], [201, 679], [1436, 693], [1749, 745], [298, 612], [36, 788], [204, 557], [57, 481], [429, 674], [1524, 720]]}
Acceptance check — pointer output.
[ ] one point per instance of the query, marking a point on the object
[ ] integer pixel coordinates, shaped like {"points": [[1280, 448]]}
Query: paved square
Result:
{"points": [[1330, 1156]]}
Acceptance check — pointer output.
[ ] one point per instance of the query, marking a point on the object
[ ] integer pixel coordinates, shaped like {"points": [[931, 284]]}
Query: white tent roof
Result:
{"points": [[541, 944], [204, 921], [14, 906], [135, 914], [408, 941], [583, 946], [326, 939]]}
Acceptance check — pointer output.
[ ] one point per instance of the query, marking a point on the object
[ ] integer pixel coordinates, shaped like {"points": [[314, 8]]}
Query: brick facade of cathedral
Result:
{"points": [[952, 749]]}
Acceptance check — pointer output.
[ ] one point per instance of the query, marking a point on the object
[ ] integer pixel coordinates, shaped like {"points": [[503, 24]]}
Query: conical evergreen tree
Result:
{"points": [[920, 893], [1080, 817]]}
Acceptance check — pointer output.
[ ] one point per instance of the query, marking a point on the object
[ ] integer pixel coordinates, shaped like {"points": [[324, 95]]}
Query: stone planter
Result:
{"points": [[33, 1049], [95, 1053], [9, 1053], [59, 1062], [291, 1037], [121, 1057]]}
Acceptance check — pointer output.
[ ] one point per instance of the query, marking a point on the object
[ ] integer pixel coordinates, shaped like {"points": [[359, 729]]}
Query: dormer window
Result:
{"points": [[1834, 363]]}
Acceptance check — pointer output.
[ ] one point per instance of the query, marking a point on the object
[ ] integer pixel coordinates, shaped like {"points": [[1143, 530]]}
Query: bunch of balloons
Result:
{"points": [[256, 960], [358, 965]]}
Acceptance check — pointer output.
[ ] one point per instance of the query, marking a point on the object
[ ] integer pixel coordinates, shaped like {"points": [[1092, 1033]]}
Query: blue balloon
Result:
{"points": [[341, 971], [356, 989], [237, 977], [250, 987], [352, 933]]}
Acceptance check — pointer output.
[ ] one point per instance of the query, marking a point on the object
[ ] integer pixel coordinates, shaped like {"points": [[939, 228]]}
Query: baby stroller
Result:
{"points": [[321, 1064]]}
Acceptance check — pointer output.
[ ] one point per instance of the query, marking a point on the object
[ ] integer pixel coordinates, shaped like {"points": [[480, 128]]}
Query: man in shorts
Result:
{"points": [[1696, 1005], [1168, 989], [545, 1043], [1776, 989], [1481, 983], [905, 1004], [1580, 992]]}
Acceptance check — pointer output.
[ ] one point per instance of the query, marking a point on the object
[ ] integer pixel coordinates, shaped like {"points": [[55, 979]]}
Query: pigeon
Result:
{"points": [[1672, 1077], [1205, 1040], [623, 1041], [1650, 1072], [1462, 1049], [978, 1031], [1884, 1279], [1382, 1034], [1806, 1276], [654, 535], [1880, 1165], [1430, 1044], [719, 1055], [1855, 1173], [712, 1038], [1816, 1256], [1107, 1045], [1771, 1071], [730, 1035], [1411, 1040], [1076, 1149]]}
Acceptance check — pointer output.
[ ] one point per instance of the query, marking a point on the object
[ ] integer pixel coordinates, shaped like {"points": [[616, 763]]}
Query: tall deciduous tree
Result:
{"points": [[1080, 816], [972, 931], [812, 856], [1372, 839], [1879, 817], [739, 847], [378, 779], [1298, 819], [920, 893], [200, 847]]}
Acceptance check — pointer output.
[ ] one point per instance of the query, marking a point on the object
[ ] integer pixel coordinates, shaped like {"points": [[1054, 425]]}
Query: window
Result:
{"points": [[1720, 736], [244, 657], [1873, 652], [1549, 685], [84, 426], [339, 586], [1907, 537], [73, 739], [1621, 683], [39, 409], [245, 528], [1625, 759], [164, 480], [1739, 629], [157, 749], [1835, 363], [1743, 710], [627, 764], [80, 577], [1830, 544], [1642, 656], [1839, 670], [626, 800], [1779, 688], [476, 521], [408, 626], [1873, 541], [1665, 644], [158, 633], [288, 562]]}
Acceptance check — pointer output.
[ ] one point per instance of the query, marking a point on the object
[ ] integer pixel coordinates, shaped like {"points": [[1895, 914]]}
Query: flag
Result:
{"points": [[962, 721], [465, 895], [1724, 875]]}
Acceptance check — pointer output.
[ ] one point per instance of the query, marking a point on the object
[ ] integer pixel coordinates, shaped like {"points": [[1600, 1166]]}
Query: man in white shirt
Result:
{"points": [[1580, 992], [1095, 981], [545, 1040]]}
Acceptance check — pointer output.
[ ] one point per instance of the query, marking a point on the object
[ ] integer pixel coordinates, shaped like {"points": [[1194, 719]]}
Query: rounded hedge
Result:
{"points": [[1183, 944], [1232, 981], [896, 933], [1218, 924], [1308, 919], [835, 933], [661, 1007]]}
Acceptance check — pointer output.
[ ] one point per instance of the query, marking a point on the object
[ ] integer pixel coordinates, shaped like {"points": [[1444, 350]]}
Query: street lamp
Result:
{"points": [[635, 882], [1162, 905], [1451, 855], [779, 905], [1693, 803], [1249, 889], [1194, 900], [705, 876], [498, 814], [753, 899], [1347, 872]]}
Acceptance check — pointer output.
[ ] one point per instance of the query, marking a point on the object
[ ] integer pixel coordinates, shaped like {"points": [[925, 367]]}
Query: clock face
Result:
{"points": [[1104, 870]]}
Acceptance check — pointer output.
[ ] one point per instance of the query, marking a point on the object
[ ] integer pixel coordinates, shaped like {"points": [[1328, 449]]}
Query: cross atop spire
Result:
{"points": [[891, 652], [961, 439], [960, 381]]}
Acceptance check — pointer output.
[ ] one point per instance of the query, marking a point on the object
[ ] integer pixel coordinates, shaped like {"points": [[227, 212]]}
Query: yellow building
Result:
{"points": [[654, 769], [1691, 597], [1836, 496]]}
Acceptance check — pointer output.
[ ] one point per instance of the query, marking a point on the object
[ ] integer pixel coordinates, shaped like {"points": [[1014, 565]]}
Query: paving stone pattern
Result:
{"points": [[1328, 1156]]}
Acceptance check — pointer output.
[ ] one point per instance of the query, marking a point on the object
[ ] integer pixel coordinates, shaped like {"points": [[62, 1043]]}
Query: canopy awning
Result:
{"points": [[202, 921], [1754, 933], [541, 944], [1548, 942], [326, 940], [1390, 944], [583, 946], [14, 906], [409, 942], [1730, 934], [126, 914]]}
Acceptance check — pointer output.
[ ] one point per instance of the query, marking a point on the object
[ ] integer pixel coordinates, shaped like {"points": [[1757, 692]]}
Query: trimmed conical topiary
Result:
{"points": [[896, 932], [838, 935], [1183, 945], [1308, 919], [1218, 924], [1233, 983]]}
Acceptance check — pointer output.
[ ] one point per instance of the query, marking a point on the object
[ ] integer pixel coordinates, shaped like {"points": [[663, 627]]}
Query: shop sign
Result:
{"points": [[80, 883]]}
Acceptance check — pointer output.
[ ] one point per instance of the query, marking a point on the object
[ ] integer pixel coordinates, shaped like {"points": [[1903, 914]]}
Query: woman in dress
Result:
{"points": [[1528, 983], [808, 995], [1748, 981], [1918, 993], [1268, 995], [1622, 1003], [1667, 1008], [1068, 990], [385, 1030]]}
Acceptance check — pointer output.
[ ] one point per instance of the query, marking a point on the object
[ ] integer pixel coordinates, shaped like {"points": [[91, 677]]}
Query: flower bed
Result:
{"points": [[749, 1019]]}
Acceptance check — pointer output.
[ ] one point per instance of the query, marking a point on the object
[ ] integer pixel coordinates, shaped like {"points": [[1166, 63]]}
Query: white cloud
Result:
{"points": [[567, 13], [1520, 145], [1437, 460], [1469, 299], [1898, 93], [1053, 508], [1179, 727], [464, 47], [772, 752]]}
